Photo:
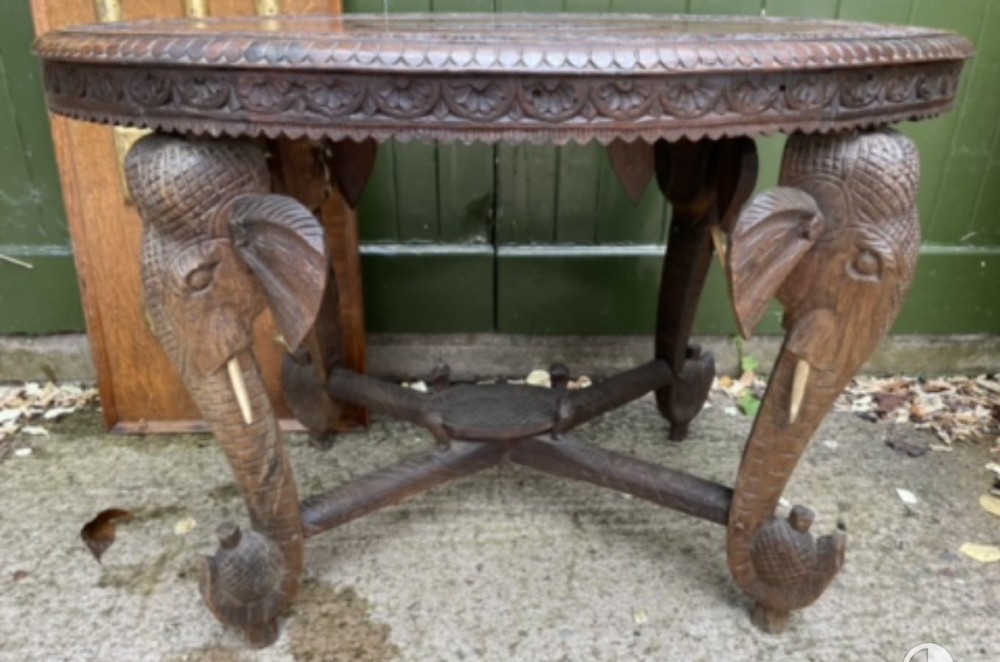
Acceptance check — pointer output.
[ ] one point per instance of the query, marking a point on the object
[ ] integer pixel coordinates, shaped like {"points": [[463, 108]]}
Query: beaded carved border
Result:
{"points": [[494, 108]]}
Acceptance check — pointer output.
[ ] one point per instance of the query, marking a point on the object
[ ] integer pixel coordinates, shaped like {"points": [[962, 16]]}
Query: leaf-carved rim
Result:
{"points": [[235, 102], [503, 43]]}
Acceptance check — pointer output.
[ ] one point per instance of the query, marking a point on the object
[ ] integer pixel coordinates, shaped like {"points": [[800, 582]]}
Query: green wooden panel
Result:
{"points": [[621, 222], [530, 5], [377, 208], [578, 194], [31, 209], [741, 7], [465, 193], [953, 218], [801, 8], [416, 192], [526, 194], [882, 11], [44, 299], [547, 292], [19, 212], [431, 215], [935, 137], [541, 291], [988, 203], [423, 290]]}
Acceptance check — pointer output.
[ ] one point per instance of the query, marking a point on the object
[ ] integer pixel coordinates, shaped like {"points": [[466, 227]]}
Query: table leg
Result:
{"points": [[837, 244], [215, 249], [327, 178], [705, 183]]}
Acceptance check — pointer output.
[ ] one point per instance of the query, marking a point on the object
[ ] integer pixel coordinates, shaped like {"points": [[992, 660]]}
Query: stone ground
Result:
{"points": [[505, 565]]}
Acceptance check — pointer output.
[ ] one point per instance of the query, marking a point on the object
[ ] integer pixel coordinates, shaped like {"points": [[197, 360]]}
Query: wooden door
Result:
{"points": [[140, 391]]}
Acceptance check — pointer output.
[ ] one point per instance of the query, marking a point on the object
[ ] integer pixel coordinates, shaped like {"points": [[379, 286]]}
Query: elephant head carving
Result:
{"points": [[217, 249], [836, 244]]}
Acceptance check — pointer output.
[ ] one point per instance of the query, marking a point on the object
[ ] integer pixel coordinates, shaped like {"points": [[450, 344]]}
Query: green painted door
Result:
{"points": [[523, 239], [527, 239], [43, 298]]}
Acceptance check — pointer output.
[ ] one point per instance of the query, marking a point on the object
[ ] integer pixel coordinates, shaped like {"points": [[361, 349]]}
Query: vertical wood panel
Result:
{"points": [[935, 136], [416, 192], [801, 8], [526, 194], [953, 216], [19, 213], [465, 193], [578, 191], [986, 215], [883, 11], [739, 7], [377, 209]]}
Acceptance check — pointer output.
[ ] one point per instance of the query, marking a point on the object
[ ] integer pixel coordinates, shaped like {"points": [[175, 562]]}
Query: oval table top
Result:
{"points": [[501, 77]]}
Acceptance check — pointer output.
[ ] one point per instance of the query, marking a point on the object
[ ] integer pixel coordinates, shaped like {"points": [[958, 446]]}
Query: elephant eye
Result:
{"points": [[200, 278], [866, 264]]}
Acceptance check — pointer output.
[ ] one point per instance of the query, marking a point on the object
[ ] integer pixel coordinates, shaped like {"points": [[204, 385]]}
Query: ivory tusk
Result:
{"points": [[719, 242], [798, 389], [240, 389]]}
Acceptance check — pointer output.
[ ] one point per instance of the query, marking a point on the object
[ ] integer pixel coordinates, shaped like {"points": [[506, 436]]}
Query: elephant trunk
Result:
{"points": [[774, 560], [249, 584]]}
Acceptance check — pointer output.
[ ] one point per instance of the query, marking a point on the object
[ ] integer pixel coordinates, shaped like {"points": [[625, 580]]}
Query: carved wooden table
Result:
{"points": [[678, 98]]}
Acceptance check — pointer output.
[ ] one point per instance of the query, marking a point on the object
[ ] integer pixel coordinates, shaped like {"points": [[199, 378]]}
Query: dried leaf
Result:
{"points": [[185, 526], [57, 412], [99, 533], [35, 430], [990, 504], [9, 415], [886, 403], [981, 553]]}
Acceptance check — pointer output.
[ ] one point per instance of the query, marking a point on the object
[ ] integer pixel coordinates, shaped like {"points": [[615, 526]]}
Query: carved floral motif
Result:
{"points": [[389, 104], [204, 92], [623, 98], [149, 88], [479, 99], [405, 98], [808, 93], [264, 94], [860, 90], [552, 100], [332, 96], [751, 96], [692, 97]]}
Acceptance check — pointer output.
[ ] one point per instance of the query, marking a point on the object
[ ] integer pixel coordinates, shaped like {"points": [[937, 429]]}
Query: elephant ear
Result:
{"points": [[773, 232], [283, 244]]}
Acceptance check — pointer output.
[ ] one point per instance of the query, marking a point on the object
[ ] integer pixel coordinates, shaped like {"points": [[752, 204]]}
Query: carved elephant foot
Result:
{"points": [[216, 249], [242, 584], [705, 182], [836, 243], [682, 401]]}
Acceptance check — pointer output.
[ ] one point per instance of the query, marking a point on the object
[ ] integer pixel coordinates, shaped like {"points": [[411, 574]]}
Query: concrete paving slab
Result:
{"points": [[505, 565]]}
